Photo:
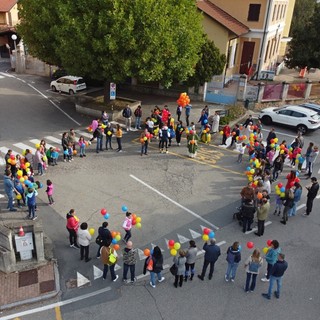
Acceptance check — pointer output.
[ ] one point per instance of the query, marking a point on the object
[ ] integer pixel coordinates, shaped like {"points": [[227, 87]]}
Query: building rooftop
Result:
{"points": [[224, 18], [6, 5]]}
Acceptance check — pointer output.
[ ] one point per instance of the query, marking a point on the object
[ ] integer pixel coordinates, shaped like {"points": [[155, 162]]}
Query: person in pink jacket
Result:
{"points": [[72, 227], [49, 192], [127, 225]]}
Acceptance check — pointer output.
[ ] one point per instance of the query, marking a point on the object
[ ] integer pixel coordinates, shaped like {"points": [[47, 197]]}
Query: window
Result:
{"points": [[278, 11], [254, 12], [284, 11], [274, 12], [267, 52], [297, 114], [285, 112]]}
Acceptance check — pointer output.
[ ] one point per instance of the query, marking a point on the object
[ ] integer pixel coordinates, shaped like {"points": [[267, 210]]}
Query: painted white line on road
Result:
{"points": [[54, 104], [5, 150], [57, 304], [256, 229], [175, 203], [302, 206], [37, 141], [23, 146], [53, 139], [1, 196], [7, 75]]}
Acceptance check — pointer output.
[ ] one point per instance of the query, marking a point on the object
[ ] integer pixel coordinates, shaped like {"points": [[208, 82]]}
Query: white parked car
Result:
{"points": [[69, 84], [294, 116]]}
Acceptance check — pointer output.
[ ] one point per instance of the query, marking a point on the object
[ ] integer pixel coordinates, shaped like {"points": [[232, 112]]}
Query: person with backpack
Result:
{"points": [[252, 266], [127, 114], [188, 108], [108, 257], [31, 202], [154, 264], [233, 259], [138, 115], [104, 235]]}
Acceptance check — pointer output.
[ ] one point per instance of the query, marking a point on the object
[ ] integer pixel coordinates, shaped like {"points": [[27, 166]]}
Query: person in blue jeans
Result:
{"points": [[129, 262], [107, 263], [31, 202], [9, 189], [233, 259], [271, 258], [98, 134], [276, 275], [154, 264], [252, 266]]}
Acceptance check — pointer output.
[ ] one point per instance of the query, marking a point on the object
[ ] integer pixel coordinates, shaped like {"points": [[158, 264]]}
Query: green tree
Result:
{"points": [[152, 40], [304, 46], [211, 63]]}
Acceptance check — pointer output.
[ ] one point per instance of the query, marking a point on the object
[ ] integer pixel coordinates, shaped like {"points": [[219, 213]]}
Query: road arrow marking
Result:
{"points": [[141, 254], [81, 280], [182, 239], [97, 273], [194, 234], [117, 267]]}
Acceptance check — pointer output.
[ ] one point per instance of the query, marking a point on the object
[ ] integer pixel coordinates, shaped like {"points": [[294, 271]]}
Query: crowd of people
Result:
{"points": [[266, 164]]}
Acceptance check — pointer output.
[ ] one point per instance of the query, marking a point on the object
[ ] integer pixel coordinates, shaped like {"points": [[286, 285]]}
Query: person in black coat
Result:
{"points": [[312, 193], [212, 253], [248, 210], [104, 235], [271, 135]]}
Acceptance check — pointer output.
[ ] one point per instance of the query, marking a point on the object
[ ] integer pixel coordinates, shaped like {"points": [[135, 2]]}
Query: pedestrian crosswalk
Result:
{"points": [[51, 141]]}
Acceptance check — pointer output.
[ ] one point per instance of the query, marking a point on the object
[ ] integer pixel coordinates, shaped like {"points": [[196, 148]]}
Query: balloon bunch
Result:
{"points": [[105, 214], [280, 190], [207, 234], [174, 247], [136, 221], [266, 249], [240, 138], [183, 99], [116, 237]]}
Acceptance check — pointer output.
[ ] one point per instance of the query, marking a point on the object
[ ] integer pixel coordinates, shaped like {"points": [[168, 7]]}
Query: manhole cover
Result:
{"points": [[26, 278]]}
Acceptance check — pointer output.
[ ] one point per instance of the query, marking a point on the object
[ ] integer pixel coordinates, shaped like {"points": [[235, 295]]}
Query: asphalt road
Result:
{"points": [[175, 196]]}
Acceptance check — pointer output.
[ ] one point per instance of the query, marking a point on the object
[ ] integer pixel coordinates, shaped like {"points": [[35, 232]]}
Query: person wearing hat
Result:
{"points": [[312, 193], [129, 262]]}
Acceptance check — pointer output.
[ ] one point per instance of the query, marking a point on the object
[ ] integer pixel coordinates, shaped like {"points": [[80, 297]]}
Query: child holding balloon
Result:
{"points": [[127, 226], [82, 145]]}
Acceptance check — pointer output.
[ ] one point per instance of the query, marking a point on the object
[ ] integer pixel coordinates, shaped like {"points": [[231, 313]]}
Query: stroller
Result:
{"points": [[238, 215]]}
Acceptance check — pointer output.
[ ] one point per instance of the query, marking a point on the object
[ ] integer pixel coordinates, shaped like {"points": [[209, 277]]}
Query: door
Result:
{"points": [[246, 58]]}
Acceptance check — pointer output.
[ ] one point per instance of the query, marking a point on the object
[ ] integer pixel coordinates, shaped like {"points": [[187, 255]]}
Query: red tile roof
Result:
{"points": [[6, 5], [224, 18]]}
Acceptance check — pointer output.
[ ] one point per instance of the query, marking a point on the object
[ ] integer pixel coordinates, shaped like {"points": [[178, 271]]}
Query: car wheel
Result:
{"points": [[71, 92], [302, 128], [54, 88], [266, 120]]}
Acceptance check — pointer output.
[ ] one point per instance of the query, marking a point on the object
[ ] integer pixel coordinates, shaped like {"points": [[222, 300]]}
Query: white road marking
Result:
{"points": [[182, 239], [37, 141], [85, 134], [23, 146], [194, 234], [81, 280], [175, 203], [57, 304], [7, 75], [1, 196], [5, 150], [256, 229], [53, 139], [54, 104], [97, 273]]}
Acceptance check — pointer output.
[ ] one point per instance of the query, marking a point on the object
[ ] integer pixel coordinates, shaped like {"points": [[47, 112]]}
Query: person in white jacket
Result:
{"points": [[84, 238]]}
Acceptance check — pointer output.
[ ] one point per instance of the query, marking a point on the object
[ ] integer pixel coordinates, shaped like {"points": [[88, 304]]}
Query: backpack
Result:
{"points": [[149, 264], [254, 266]]}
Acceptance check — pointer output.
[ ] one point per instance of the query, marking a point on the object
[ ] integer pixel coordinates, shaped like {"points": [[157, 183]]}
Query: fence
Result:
{"points": [[272, 92], [296, 90]]}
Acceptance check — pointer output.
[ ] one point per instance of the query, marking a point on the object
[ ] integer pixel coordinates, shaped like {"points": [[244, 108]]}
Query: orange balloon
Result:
{"points": [[146, 252], [134, 216], [259, 195], [116, 247], [113, 234]]}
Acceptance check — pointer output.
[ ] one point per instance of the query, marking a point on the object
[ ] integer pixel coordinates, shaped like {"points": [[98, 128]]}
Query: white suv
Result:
{"points": [[69, 84], [294, 116]]}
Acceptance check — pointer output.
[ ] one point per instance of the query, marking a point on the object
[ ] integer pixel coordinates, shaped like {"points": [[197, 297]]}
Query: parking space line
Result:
{"points": [[175, 203], [58, 313]]}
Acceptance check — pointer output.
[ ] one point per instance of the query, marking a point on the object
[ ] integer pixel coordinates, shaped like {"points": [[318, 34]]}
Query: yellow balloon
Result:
{"points": [[37, 145], [173, 252], [27, 164], [205, 237], [91, 231], [19, 172], [118, 237], [138, 225], [138, 219], [252, 171], [177, 246], [18, 196], [250, 178], [221, 132], [265, 250]]}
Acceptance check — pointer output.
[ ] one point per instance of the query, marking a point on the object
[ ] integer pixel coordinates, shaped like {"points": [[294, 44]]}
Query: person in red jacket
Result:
{"points": [[291, 177], [72, 227], [226, 133]]}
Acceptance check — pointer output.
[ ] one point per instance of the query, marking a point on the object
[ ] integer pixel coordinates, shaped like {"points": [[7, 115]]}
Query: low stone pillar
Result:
{"points": [[308, 89], [285, 88]]}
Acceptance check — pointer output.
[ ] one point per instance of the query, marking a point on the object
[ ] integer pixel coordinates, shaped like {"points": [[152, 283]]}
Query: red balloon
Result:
{"points": [[280, 185], [269, 242], [103, 211], [171, 243], [12, 157], [297, 180], [206, 231], [134, 221], [250, 244]]}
